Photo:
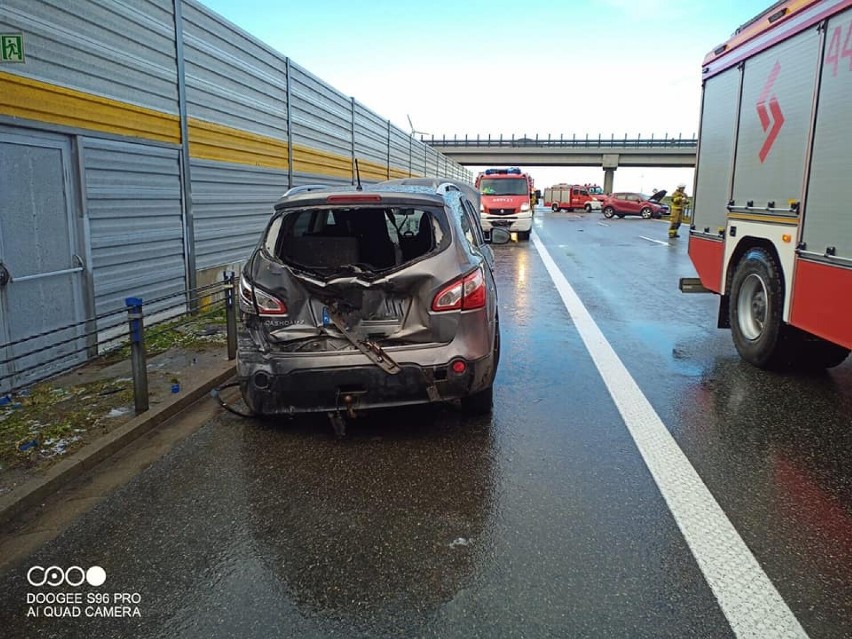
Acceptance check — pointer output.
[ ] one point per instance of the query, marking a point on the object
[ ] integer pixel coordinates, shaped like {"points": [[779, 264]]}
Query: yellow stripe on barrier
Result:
{"points": [[307, 160], [22, 97], [211, 141]]}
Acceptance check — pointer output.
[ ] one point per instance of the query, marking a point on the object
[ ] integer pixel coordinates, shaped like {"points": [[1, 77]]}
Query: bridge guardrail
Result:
{"points": [[573, 142]]}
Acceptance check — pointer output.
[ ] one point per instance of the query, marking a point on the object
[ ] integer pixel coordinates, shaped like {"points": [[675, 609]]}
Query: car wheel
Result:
{"points": [[621, 216], [755, 312], [555, 207], [646, 213], [482, 402], [479, 403], [524, 235], [608, 211], [588, 208]]}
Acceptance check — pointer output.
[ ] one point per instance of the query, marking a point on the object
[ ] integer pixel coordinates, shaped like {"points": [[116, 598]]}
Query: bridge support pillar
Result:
{"points": [[609, 176]]}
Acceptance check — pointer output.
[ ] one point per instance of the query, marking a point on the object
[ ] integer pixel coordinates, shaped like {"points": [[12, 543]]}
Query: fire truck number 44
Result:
{"points": [[771, 234]]}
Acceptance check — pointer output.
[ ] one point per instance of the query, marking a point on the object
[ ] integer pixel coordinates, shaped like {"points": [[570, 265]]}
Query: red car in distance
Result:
{"points": [[647, 206]]}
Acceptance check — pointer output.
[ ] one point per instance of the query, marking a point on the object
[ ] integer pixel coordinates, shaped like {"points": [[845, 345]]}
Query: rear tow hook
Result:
{"points": [[338, 420], [338, 423]]}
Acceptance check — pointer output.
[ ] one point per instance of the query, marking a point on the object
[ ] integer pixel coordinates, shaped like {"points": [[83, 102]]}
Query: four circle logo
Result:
{"points": [[72, 576]]}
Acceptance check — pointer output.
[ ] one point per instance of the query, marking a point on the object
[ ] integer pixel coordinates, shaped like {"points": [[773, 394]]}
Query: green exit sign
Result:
{"points": [[11, 47]]}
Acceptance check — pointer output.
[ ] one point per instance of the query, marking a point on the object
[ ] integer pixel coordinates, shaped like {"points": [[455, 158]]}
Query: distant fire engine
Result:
{"points": [[573, 196], [772, 229], [507, 198]]}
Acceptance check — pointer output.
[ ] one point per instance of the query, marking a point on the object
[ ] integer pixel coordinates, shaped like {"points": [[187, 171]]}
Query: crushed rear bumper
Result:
{"points": [[270, 391]]}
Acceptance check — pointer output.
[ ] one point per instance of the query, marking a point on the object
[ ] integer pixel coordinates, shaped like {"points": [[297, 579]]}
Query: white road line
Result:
{"points": [[650, 239], [747, 597], [602, 224]]}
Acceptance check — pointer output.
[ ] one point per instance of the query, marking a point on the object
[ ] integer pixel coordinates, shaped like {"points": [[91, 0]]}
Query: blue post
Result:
{"points": [[230, 313], [137, 353]]}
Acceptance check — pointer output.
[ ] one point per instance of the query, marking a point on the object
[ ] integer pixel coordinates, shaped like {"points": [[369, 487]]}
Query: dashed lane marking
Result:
{"points": [[602, 224], [650, 239], [748, 599]]}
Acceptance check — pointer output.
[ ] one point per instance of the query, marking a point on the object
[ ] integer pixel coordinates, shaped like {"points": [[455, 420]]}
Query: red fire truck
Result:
{"points": [[507, 198], [573, 196], [772, 230]]}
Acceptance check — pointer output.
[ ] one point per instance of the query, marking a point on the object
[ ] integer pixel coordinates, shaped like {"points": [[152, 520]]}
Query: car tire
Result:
{"points": [[756, 310], [479, 403], [608, 212], [588, 208], [646, 213], [555, 207], [524, 235], [482, 402], [621, 216]]}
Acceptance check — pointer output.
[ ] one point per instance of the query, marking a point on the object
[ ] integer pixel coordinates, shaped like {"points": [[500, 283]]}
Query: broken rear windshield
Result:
{"points": [[356, 240]]}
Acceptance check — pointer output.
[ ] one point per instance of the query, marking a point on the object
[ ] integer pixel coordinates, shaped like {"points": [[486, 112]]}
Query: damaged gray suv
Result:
{"points": [[361, 299]]}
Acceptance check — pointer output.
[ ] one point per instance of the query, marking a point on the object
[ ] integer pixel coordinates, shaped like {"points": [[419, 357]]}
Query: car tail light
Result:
{"points": [[254, 300], [464, 294], [353, 199]]}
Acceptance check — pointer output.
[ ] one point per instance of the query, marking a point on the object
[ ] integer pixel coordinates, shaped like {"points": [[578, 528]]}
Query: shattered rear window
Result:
{"points": [[341, 240]]}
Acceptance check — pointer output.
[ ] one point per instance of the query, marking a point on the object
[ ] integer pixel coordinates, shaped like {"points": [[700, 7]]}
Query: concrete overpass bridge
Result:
{"points": [[607, 152]]}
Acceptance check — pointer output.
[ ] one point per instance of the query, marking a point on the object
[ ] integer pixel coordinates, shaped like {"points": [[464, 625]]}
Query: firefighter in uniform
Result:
{"points": [[679, 202]]}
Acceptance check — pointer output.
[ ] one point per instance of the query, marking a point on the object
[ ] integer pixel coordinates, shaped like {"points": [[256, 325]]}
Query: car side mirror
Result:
{"points": [[499, 236]]}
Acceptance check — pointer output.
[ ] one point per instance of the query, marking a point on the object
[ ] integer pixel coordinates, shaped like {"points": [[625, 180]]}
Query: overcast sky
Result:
{"points": [[535, 67]]}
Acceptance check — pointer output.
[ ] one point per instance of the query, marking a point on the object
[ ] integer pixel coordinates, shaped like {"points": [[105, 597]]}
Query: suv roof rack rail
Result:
{"points": [[306, 188]]}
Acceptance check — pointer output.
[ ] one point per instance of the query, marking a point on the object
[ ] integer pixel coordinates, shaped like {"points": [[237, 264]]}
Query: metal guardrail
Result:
{"points": [[564, 142], [108, 340]]}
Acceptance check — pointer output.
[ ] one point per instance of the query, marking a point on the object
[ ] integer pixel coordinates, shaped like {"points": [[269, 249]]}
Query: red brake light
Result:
{"points": [[253, 299], [353, 199], [466, 294], [474, 291]]}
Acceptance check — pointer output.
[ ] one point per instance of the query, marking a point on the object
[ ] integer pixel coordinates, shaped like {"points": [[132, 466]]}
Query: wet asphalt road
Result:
{"points": [[540, 521]]}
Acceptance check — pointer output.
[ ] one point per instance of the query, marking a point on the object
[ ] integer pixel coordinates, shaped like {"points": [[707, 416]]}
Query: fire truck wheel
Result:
{"points": [[555, 207], [608, 211], [756, 310]]}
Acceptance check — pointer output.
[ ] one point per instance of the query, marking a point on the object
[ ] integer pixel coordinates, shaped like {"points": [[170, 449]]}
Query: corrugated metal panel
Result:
{"points": [[431, 161], [371, 144], [321, 115], [302, 177], [134, 217], [110, 49], [418, 158], [231, 78], [400, 153], [231, 205]]}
